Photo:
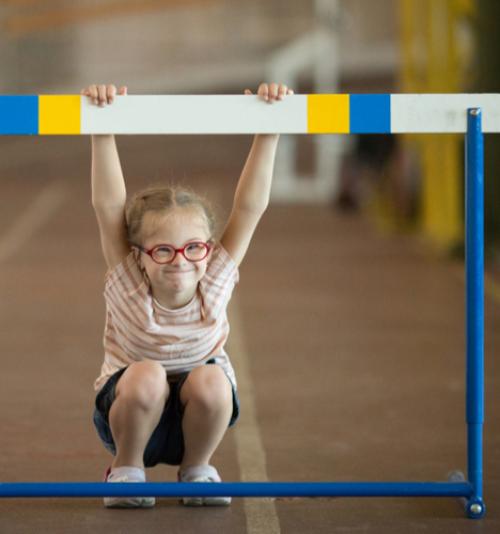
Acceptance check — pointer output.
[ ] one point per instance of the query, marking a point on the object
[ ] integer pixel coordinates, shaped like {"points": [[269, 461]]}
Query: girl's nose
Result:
{"points": [[179, 259]]}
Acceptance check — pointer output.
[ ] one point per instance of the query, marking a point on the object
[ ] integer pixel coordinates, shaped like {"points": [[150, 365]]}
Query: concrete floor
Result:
{"points": [[349, 348]]}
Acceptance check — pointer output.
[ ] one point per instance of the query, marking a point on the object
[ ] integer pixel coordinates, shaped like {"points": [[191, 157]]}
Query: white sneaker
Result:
{"points": [[127, 474], [202, 473]]}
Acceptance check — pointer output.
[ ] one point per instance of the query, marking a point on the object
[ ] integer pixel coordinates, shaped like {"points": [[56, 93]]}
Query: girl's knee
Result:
{"points": [[143, 383], [208, 386]]}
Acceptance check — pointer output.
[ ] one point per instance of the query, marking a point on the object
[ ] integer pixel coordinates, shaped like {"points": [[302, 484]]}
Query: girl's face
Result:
{"points": [[179, 279]]}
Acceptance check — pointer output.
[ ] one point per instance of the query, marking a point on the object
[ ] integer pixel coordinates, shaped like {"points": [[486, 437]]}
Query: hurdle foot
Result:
{"points": [[474, 507]]}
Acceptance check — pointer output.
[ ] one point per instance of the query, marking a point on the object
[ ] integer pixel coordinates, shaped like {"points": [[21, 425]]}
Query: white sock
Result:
{"points": [[134, 473]]}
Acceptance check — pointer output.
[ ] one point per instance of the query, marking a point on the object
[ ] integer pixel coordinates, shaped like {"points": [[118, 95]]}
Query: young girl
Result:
{"points": [[167, 391]]}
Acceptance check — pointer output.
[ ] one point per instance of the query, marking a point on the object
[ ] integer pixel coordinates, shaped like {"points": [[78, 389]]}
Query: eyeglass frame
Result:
{"points": [[208, 246]]}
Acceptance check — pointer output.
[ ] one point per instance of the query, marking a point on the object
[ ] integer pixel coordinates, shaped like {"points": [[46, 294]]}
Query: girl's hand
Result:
{"points": [[103, 94], [271, 92]]}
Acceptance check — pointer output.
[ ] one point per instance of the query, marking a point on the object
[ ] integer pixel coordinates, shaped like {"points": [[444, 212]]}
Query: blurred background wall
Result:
{"points": [[405, 183]]}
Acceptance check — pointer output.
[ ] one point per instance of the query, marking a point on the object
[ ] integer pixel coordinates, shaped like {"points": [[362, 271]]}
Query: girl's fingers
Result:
{"points": [[282, 91], [102, 94], [92, 92], [111, 92], [248, 92], [263, 91], [273, 91]]}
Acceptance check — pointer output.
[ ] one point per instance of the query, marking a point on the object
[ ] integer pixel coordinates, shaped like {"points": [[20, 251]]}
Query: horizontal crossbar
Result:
{"points": [[246, 114], [236, 489]]}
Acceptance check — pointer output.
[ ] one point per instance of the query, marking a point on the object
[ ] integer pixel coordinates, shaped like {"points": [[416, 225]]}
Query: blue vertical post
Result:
{"points": [[474, 251]]}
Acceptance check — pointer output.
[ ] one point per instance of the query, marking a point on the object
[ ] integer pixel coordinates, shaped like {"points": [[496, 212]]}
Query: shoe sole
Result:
{"points": [[146, 502], [206, 501]]}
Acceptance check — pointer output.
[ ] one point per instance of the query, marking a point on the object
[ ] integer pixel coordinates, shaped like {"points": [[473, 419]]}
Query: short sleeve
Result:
{"points": [[127, 276], [217, 285]]}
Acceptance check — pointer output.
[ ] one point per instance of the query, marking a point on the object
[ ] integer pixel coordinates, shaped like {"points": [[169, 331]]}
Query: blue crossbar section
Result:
{"points": [[370, 113], [236, 489], [18, 115]]}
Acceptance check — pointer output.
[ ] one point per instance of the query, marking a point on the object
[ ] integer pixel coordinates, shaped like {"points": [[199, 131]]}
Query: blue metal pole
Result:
{"points": [[474, 247], [236, 489]]}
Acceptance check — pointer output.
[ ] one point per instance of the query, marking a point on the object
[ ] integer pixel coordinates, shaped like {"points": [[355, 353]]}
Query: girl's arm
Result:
{"points": [[254, 186], [108, 185]]}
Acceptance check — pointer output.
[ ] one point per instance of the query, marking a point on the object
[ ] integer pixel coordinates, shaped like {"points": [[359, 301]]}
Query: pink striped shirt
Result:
{"points": [[139, 328]]}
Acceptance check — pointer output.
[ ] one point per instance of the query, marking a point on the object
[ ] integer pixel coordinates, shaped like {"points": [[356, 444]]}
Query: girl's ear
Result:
{"points": [[138, 256], [213, 244]]}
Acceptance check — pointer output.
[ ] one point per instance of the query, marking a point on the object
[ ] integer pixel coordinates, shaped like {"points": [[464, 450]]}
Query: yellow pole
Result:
{"points": [[431, 63]]}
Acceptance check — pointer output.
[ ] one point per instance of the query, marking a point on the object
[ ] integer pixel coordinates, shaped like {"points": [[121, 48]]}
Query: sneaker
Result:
{"points": [[202, 473], [127, 474]]}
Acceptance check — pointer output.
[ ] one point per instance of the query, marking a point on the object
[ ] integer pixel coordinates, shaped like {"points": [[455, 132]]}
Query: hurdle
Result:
{"points": [[297, 114]]}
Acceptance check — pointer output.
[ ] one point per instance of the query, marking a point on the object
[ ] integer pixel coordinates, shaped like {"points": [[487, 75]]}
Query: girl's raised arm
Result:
{"points": [[108, 185], [254, 186]]}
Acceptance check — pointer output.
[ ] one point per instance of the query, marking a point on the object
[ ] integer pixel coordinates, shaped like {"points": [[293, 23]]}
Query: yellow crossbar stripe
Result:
{"points": [[59, 114], [327, 114]]}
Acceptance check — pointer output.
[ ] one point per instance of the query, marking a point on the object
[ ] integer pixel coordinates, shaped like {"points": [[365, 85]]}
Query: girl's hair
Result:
{"points": [[161, 199]]}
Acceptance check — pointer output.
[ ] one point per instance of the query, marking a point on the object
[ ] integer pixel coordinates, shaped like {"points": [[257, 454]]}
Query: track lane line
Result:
{"points": [[260, 513]]}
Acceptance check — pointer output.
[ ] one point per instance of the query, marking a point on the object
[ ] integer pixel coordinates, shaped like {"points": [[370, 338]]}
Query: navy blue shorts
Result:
{"points": [[166, 444]]}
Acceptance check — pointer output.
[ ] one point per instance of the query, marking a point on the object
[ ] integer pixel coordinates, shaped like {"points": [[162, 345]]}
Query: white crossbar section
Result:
{"points": [[441, 113], [189, 114]]}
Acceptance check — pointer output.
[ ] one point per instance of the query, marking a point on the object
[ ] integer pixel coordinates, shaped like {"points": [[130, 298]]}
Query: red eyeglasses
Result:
{"points": [[192, 251]]}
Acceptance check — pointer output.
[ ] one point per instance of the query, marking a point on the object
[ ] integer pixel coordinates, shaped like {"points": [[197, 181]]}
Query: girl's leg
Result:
{"points": [[208, 400], [141, 394]]}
